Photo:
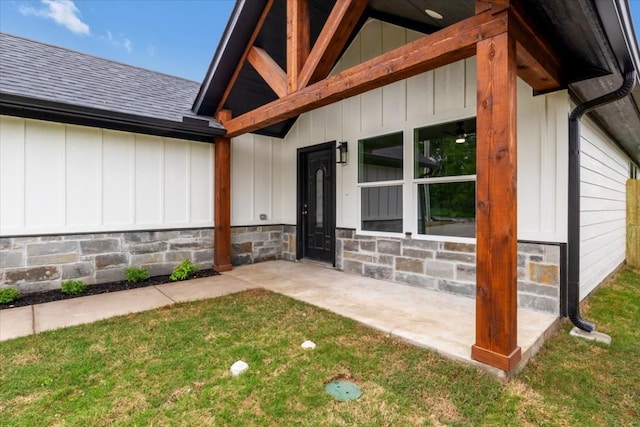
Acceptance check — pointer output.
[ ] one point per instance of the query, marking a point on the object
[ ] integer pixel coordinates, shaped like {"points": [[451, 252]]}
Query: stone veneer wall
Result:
{"points": [[448, 267], [42, 262], [37, 263], [262, 243]]}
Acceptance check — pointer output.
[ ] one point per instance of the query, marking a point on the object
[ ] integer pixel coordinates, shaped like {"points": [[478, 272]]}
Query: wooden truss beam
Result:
{"points": [[485, 5], [332, 39], [448, 45], [538, 63], [269, 70], [298, 39], [222, 198], [241, 62], [305, 66], [496, 205]]}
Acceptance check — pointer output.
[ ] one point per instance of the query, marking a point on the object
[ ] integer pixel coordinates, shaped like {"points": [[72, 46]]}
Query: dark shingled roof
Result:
{"points": [[39, 71]]}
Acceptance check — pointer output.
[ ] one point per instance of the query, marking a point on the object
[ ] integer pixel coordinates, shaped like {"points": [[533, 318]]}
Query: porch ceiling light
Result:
{"points": [[432, 13]]}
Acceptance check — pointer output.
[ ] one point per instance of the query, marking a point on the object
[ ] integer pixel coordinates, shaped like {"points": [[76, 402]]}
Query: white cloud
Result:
{"points": [[151, 50], [118, 41], [127, 45], [63, 12]]}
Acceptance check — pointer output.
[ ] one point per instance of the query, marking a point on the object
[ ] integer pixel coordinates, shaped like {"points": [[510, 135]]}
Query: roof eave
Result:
{"points": [[20, 106], [626, 25], [618, 28], [230, 34]]}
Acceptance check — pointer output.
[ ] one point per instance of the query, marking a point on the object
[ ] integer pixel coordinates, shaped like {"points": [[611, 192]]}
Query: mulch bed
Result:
{"points": [[102, 288]]}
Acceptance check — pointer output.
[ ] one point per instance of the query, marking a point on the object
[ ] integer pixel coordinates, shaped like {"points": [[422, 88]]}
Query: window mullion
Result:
{"points": [[381, 183]]}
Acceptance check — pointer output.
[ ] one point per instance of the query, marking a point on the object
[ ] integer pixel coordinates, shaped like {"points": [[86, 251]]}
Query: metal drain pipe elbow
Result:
{"points": [[573, 237]]}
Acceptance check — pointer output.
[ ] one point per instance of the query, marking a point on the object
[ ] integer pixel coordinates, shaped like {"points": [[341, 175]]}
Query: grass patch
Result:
{"points": [[171, 367], [599, 384]]}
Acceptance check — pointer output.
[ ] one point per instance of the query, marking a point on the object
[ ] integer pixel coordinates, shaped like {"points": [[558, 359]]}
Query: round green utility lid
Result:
{"points": [[343, 390]]}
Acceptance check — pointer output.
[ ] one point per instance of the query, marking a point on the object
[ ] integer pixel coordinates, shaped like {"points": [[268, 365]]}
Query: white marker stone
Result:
{"points": [[308, 345], [238, 368]]}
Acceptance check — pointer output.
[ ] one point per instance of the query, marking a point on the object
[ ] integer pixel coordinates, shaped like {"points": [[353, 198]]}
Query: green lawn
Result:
{"points": [[171, 367]]}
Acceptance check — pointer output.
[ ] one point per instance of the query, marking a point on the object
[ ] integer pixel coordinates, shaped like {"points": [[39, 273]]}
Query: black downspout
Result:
{"points": [[573, 270]]}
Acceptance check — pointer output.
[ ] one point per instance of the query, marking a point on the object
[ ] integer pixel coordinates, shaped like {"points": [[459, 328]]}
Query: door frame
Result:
{"points": [[301, 185]]}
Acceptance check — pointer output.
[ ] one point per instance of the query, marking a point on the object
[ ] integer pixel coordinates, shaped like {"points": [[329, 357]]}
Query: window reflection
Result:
{"points": [[382, 208], [437, 154], [380, 158], [444, 170], [447, 209]]}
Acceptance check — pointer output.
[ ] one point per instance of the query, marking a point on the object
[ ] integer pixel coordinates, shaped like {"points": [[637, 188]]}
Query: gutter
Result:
{"points": [[630, 58], [573, 288], [189, 129]]}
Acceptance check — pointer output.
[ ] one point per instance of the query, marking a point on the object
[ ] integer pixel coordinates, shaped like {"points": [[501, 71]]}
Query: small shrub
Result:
{"points": [[135, 275], [185, 270], [8, 295], [73, 287]]}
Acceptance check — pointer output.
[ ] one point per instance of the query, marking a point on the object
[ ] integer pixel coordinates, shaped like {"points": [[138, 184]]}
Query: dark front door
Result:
{"points": [[316, 203]]}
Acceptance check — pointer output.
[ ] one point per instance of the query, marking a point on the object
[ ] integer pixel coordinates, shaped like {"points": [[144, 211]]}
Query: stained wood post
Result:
{"points": [[633, 223], [222, 196], [496, 206]]}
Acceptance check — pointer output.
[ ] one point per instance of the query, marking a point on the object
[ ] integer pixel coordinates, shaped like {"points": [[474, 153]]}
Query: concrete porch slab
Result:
{"points": [[441, 322]]}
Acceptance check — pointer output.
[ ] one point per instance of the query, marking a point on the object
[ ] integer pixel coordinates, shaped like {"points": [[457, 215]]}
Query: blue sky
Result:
{"points": [[176, 37]]}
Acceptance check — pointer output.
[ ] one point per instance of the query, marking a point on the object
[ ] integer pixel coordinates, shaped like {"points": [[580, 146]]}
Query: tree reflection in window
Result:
{"points": [[444, 174]]}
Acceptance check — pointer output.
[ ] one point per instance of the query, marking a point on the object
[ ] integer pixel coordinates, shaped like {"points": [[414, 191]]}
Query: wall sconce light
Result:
{"points": [[343, 152]]}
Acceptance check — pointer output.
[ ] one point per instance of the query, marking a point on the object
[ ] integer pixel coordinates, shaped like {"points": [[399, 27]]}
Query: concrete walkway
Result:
{"points": [[23, 321], [441, 322]]}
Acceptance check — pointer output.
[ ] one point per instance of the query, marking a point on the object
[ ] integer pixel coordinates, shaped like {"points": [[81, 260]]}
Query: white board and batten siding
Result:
{"points": [[604, 170], [253, 188], [57, 178], [267, 166]]}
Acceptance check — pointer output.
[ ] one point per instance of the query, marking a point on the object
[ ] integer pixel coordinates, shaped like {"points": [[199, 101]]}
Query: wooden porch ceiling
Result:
{"points": [[304, 86]]}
